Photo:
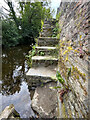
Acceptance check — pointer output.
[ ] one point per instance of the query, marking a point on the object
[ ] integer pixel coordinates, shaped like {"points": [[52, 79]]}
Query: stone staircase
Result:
{"points": [[47, 29], [43, 72], [46, 65]]}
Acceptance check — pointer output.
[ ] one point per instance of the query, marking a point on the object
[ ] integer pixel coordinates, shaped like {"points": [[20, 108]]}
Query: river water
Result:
{"points": [[15, 90]]}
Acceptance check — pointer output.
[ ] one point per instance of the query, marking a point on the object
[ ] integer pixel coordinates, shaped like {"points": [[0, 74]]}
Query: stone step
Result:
{"points": [[46, 25], [46, 34], [47, 41], [45, 50], [41, 75], [49, 27], [47, 31], [48, 38], [47, 22], [44, 61]]}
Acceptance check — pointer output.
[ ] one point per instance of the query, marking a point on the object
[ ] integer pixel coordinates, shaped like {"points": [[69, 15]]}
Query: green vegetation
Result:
{"points": [[41, 53], [31, 54], [10, 33], [57, 29], [66, 88], [25, 27], [59, 78]]}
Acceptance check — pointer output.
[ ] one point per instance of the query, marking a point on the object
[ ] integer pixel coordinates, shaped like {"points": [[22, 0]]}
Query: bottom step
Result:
{"points": [[40, 75]]}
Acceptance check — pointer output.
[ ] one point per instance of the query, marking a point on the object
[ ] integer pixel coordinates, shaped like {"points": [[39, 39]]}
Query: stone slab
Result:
{"points": [[49, 71], [44, 58], [44, 101], [41, 75], [47, 41], [44, 61]]}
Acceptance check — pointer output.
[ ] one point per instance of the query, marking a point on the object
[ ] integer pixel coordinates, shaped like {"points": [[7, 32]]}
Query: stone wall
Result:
{"points": [[74, 53]]}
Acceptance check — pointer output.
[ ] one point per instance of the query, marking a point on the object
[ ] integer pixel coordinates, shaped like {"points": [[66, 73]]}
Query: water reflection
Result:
{"points": [[21, 100], [14, 87], [13, 69]]}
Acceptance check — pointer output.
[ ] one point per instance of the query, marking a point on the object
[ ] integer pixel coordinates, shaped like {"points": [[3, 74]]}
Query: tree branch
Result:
{"points": [[6, 9]]}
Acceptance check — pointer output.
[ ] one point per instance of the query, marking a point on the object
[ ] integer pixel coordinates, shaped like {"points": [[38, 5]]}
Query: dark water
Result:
{"points": [[15, 89]]}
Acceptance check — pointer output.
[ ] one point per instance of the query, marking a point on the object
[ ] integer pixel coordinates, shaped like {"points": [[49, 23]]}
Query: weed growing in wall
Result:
{"points": [[62, 81]]}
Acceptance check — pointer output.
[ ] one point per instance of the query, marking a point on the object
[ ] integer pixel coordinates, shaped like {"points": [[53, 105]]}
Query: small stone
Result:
{"points": [[9, 112]]}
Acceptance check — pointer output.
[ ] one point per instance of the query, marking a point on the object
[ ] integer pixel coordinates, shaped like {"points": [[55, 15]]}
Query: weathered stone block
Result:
{"points": [[45, 101]]}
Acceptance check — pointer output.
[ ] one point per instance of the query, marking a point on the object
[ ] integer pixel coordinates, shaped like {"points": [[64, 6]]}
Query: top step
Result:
{"points": [[51, 21]]}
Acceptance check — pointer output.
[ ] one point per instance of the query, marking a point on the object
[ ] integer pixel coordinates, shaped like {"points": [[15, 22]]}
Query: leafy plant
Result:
{"points": [[55, 32], [62, 81], [10, 34], [59, 78], [31, 54], [42, 53]]}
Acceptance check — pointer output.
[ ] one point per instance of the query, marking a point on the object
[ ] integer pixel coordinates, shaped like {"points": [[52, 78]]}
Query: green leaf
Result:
{"points": [[60, 79], [56, 87]]}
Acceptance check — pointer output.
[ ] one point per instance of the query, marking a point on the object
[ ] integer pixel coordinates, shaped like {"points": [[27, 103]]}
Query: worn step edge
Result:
{"points": [[44, 58], [46, 48]]}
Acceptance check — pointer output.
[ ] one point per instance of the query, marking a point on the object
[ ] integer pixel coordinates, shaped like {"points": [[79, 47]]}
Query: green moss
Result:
{"points": [[78, 77], [64, 111], [70, 113], [75, 69]]}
